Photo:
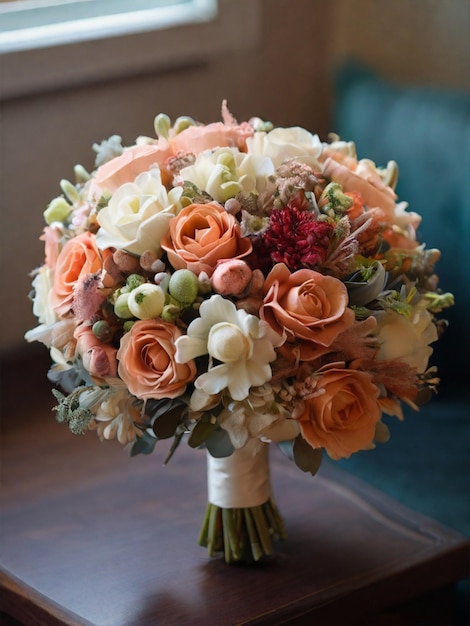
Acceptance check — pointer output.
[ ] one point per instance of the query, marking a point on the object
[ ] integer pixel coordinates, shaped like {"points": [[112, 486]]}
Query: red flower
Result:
{"points": [[294, 237]]}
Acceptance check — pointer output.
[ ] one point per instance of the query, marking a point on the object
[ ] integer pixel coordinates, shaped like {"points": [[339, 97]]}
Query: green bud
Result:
{"points": [[81, 174], [184, 287], [162, 125], [128, 325], [121, 307], [436, 302], [70, 191], [335, 199], [57, 211], [170, 312], [182, 123], [134, 280], [102, 330], [204, 285]]}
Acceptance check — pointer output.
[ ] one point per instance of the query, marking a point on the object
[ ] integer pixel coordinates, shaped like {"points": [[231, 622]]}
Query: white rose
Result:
{"points": [[284, 144], [137, 216], [224, 172], [407, 338]]}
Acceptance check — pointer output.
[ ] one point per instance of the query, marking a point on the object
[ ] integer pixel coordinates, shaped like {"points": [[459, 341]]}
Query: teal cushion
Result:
{"points": [[427, 132]]}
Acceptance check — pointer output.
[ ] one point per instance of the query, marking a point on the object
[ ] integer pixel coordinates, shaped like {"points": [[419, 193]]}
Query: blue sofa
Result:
{"points": [[426, 464]]}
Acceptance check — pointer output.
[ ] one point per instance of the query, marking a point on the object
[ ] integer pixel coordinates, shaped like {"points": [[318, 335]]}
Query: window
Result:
{"points": [[32, 24], [77, 50]]}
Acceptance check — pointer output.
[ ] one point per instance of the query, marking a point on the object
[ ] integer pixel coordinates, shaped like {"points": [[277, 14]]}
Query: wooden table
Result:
{"points": [[91, 536]]}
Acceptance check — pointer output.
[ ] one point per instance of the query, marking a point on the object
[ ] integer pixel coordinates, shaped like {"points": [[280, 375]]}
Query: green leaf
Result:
{"points": [[219, 444], [166, 425], [287, 447], [203, 429], [306, 458], [143, 445]]}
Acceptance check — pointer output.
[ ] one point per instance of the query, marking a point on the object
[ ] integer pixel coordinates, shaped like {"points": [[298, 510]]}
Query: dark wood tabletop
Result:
{"points": [[92, 536]]}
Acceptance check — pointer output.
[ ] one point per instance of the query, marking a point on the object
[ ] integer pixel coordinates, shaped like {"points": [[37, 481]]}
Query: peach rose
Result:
{"points": [[78, 259], [309, 307], [98, 358], [128, 165], [196, 139], [147, 361], [342, 413], [202, 234], [373, 191], [51, 238]]}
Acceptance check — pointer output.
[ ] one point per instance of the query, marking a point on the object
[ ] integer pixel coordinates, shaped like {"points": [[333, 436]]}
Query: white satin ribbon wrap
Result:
{"points": [[240, 480]]}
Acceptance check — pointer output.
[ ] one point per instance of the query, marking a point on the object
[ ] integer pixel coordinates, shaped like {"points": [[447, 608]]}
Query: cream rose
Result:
{"points": [[284, 144], [407, 338], [137, 216]]}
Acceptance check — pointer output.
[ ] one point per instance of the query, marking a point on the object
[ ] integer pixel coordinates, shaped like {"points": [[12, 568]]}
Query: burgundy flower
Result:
{"points": [[294, 237]]}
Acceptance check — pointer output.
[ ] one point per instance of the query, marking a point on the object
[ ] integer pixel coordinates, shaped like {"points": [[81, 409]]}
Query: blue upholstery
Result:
{"points": [[426, 464], [427, 132]]}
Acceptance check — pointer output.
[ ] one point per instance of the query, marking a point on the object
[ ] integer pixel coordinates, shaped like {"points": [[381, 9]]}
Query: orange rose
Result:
{"points": [[342, 413], [98, 358], [78, 259], [202, 234], [311, 308], [147, 361]]}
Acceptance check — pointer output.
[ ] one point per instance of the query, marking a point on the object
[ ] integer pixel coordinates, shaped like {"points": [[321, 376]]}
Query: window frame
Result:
{"points": [[110, 56], [26, 25]]}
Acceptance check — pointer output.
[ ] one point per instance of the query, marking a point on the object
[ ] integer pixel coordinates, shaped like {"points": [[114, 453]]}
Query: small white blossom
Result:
{"points": [[242, 343], [115, 417]]}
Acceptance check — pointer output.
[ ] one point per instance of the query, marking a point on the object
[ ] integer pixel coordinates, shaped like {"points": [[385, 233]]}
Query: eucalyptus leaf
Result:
{"points": [[219, 444], [143, 445], [166, 425], [203, 429], [287, 447], [306, 458]]}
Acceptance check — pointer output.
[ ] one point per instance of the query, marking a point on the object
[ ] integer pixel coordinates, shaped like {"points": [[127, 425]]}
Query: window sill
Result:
{"points": [[31, 71]]}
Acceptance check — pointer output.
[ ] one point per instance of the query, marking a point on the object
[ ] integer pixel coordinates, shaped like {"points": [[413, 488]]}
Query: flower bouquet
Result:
{"points": [[236, 286]]}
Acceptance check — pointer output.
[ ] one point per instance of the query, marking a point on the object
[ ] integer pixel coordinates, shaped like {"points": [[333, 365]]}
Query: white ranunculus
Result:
{"points": [[285, 144], [407, 338], [242, 343], [224, 172], [137, 216]]}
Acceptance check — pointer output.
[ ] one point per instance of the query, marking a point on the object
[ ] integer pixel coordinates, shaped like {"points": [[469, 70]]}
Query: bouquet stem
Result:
{"points": [[241, 519]]}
